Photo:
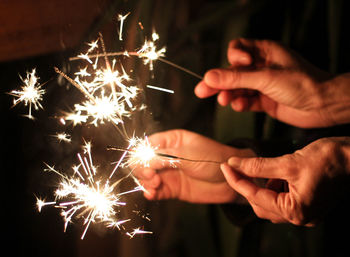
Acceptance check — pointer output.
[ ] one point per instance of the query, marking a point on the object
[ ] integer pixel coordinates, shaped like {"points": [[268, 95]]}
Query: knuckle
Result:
{"points": [[233, 76], [289, 165], [255, 165]]}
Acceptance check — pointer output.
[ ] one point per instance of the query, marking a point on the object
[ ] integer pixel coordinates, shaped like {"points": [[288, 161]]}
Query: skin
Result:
{"points": [[315, 182], [301, 187], [196, 182], [267, 77]]}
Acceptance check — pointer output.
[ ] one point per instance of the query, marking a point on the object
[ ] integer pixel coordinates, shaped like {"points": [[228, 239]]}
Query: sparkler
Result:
{"points": [[143, 154], [109, 97], [148, 52], [30, 94], [84, 195]]}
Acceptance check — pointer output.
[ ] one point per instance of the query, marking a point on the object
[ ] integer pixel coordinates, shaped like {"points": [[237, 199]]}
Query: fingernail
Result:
{"points": [[212, 78], [234, 162], [244, 60]]}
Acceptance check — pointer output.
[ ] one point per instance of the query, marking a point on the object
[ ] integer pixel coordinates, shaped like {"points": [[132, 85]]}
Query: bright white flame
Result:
{"points": [[85, 196], [149, 51], [63, 137], [31, 93], [141, 152]]}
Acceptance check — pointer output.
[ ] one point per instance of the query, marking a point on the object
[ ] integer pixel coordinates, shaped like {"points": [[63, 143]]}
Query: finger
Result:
{"points": [[203, 91], [144, 173], [170, 139], [263, 214], [226, 79], [240, 96], [154, 182], [258, 167], [236, 55], [224, 97], [267, 199], [150, 194]]}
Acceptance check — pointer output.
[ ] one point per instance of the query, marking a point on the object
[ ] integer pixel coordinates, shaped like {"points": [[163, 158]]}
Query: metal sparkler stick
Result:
{"points": [[126, 53], [169, 156]]}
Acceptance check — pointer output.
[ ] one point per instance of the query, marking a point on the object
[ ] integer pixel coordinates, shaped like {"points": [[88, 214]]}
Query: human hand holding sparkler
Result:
{"points": [[265, 76], [317, 180], [193, 181]]}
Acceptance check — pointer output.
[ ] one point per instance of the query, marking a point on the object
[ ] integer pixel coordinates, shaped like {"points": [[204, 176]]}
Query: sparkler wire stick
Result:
{"points": [[169, 156], [185, 159], [140, 55], [82, 89], [180, 68]]}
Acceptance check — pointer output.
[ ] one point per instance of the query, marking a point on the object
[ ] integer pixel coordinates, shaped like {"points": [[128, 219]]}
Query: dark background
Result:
{"points": [[44, 34]]}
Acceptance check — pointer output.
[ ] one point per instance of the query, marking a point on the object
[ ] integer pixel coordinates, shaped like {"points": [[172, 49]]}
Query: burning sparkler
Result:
{"points": [[30, 94], [109, 97], [84, 195]]}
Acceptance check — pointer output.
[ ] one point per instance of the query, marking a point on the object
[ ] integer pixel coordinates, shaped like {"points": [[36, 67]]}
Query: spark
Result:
{"points": [[63, 137], [138, 231], [108, 91], [85, 57], [141, 152], [122, 18], [138, 152], [41, 203], [93, 45], [161, 89], [86, 196], [31, 93], [103, 109], [149, 52], [83, 73], [76, 118]]}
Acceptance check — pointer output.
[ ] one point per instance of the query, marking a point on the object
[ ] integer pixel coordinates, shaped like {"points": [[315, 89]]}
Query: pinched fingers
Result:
{"points": [[202, 90], [267, 204], [283, 167]]}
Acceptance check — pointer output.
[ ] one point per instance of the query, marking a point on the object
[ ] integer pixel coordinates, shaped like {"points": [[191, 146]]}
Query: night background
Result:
{"points": [[45, 34]]}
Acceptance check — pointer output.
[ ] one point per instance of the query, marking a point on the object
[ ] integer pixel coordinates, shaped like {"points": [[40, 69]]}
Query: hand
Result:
{"points": [[265, 76], [317, 177], [197, 182]]}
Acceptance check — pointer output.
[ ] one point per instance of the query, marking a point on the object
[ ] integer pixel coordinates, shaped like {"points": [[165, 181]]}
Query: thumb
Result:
{"points": [[259, 167], [226, 79], [274, 83]]}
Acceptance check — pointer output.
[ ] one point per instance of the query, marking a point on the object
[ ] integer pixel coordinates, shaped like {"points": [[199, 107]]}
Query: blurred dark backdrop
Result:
{"points": [[43, 34]]}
